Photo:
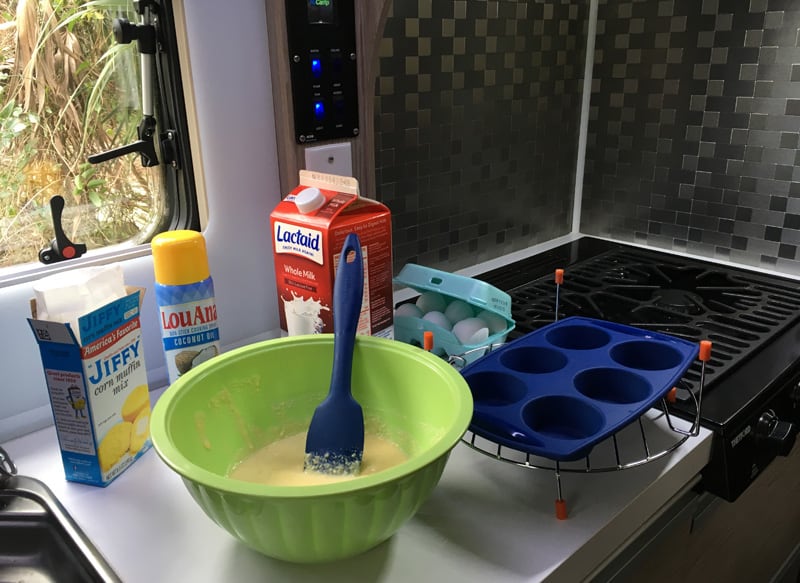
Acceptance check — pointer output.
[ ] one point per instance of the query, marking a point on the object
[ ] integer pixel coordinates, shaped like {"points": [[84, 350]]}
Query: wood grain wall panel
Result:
{"points": [[370, 17]]}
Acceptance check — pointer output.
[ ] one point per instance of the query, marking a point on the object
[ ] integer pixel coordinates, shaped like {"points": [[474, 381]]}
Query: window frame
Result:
{"points": [[180, 179]]}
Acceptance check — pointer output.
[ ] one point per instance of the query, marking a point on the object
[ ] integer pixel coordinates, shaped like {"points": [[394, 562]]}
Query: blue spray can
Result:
{"points": [[185, 298]]}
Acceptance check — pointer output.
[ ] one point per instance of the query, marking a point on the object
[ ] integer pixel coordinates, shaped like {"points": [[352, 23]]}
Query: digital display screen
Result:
{"points": [[321, 11]]}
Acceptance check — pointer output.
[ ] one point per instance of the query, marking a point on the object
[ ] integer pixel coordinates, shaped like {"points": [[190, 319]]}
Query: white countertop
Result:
{"points": [[487, 520]]}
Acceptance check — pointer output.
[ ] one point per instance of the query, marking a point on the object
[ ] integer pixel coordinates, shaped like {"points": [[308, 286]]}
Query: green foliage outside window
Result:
{"points": [[68, 91]]}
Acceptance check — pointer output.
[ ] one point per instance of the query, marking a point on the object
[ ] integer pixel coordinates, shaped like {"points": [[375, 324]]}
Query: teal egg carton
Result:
{"points": [[477, 294]]}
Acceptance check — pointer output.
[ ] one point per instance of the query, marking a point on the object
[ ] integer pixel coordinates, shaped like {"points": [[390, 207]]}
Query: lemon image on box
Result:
{"points": [[135, 403], [130, 435], [140, 431], [114, 445], [136, 410]]}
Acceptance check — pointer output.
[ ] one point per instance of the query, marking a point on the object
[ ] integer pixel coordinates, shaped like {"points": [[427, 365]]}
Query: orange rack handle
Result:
{"points": [[427, 340], [705, 350], [559, 276], [561, 509]]}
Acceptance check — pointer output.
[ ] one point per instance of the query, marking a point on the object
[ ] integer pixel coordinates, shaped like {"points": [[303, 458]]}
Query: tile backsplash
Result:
{"points": [[477, 110], [694, 126], [693, 135]]}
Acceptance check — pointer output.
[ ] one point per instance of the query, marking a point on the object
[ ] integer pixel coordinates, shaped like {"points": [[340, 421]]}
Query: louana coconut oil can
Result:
{"points": [[185, 297]]}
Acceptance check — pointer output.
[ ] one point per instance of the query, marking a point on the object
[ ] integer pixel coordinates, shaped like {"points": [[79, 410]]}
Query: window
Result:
{"points": [[91, 109]]}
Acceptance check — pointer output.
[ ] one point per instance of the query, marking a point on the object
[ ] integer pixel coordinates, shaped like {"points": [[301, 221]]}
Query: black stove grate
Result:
{"points": [[738, 311]]}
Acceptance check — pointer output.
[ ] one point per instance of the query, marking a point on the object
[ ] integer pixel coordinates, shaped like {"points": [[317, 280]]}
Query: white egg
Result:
{"points": [[458, 310], [480, 337], [410, 310], [495, 322], [438, 318], [470, 331], [431, 301]]}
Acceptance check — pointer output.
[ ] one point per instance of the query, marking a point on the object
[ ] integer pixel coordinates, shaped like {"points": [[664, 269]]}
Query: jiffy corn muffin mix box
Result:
{"points": [[98, 389]]}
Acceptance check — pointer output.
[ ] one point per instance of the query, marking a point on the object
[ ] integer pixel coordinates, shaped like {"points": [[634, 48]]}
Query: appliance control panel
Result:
{"points": [[323, 65]]}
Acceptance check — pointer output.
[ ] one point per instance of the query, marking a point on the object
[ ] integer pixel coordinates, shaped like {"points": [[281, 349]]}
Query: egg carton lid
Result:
{"points": [[476, 293], [473, 291]]}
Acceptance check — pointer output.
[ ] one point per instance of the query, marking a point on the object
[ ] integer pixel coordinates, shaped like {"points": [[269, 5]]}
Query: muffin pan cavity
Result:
{"points": [[564, 418], [612, 385], [562, 389], [497, 389], [578, 337], [646, 355], [533, 360]]}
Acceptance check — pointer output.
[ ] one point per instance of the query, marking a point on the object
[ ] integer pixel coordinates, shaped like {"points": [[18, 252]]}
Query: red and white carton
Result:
{"points": [[309, 227]]}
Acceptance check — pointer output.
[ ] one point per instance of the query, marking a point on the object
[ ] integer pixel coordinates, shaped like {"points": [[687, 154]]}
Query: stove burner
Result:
{"points": [[736, 310], [680, 300], [691, 290]]}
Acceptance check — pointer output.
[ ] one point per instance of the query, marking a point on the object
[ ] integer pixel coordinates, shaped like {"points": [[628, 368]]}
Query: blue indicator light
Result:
{"points": [[319, 109], [316, 67]]}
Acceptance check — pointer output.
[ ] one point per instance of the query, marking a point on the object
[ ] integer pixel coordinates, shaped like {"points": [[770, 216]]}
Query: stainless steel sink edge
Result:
{"points": [[29, 488]]}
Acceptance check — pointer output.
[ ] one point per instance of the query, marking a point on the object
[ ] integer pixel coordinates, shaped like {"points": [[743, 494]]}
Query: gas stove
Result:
{"points": [[751, 389]]}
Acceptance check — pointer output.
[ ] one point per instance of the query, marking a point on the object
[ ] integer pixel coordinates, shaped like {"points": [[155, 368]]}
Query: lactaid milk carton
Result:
{"points": [[308, 231], [97, 382]]}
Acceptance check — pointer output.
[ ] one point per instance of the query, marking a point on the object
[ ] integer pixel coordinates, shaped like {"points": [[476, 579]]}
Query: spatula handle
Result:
{"points": [[348, 288]]}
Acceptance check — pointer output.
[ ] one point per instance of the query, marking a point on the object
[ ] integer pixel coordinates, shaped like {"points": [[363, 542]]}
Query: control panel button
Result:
{"points": [[316, 67], [337, 61], [339, 107], [319, 110]]}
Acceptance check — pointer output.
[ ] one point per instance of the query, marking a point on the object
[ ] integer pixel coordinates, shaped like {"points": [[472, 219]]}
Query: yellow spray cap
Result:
{"points": [[179, 257]]}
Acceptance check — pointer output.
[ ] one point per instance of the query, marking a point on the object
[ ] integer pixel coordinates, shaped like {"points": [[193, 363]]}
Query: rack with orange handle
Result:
{"points": [[559, 279]]}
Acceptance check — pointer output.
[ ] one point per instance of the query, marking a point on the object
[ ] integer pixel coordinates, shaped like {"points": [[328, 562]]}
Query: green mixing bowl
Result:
{"points": [[243, 399]]}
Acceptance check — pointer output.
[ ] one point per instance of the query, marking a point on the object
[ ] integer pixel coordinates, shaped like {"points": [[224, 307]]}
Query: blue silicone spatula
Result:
{"points": [[335, 440]]}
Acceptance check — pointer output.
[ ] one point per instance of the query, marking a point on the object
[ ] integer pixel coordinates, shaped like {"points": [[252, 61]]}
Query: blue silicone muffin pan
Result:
{"points": [[558, 391]]}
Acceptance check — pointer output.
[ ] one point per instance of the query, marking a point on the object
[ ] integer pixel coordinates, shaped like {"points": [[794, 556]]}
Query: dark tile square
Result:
{"points": [[744, 214], [791, 221], [786, 251], [739, 243], [768, 260], [777, 203], [789, 140], [783, 172], [793, 107], [749, 184], [772, 233]]}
